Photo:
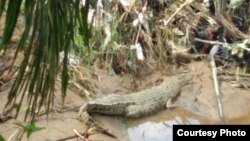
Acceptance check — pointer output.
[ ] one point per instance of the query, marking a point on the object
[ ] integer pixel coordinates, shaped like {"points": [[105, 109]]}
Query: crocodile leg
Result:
{"points": [[170, 104]]}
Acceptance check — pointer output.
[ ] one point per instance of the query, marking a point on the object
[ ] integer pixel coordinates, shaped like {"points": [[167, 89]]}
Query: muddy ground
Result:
{"points": [[196, 104]]}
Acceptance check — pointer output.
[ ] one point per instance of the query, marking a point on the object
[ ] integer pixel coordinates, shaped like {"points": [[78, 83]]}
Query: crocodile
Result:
{"points": [[138, 104]]}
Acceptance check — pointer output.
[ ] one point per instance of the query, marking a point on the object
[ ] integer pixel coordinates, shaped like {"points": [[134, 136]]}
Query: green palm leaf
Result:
{"points": [[49, 29], [2, 6], [2, 138], [11, 19], [30, 128]]}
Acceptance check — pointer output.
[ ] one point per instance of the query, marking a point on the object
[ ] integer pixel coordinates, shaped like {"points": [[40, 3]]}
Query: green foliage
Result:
{"points": [[11, 19], [30, 128], [2, 7], [79, 41], [2, 138], [49, 29]]}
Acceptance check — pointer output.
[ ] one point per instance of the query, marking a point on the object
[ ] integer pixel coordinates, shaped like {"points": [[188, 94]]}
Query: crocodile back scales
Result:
{"points": [[140, 103]]}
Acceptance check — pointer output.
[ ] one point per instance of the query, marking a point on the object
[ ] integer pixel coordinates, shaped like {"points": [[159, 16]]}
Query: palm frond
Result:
{"points": [[11, 19], [2, 6], [49, 29]]}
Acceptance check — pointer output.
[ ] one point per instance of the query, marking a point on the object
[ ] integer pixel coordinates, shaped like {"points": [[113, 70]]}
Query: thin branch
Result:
{"points": [[216, 85], [179, 9], [13, 135], [218, 43], [79, 135], [210, 42], [71, 137]]}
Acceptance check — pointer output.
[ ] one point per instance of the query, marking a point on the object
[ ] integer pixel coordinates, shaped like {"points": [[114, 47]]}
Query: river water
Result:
{"points": [[159, 127]]}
